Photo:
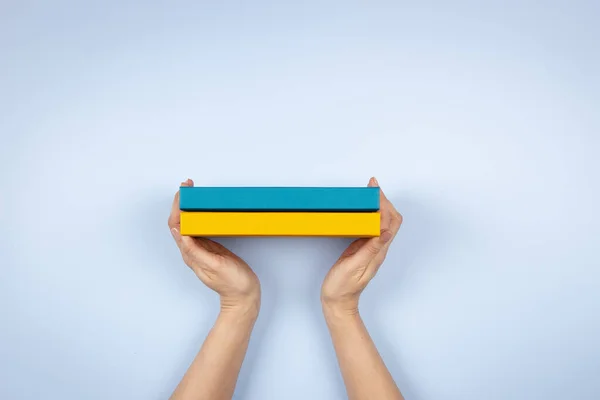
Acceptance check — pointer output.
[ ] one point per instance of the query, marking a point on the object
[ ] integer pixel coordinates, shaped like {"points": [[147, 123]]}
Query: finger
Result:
{"points": [[174, 217], [394, 222], [177, 237], [383, 205], [383, 200], [392, 215], [374, 246], [390, 218], [209, 245], [187, 245], [374, 183], [353, 247]]}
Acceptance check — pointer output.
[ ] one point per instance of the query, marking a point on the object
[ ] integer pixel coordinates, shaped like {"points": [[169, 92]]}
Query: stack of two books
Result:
{"points": [[280, 211]]}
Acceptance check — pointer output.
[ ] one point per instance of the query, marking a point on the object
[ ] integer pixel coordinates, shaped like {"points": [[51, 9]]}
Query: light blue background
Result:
{"points": [[480, 120]]}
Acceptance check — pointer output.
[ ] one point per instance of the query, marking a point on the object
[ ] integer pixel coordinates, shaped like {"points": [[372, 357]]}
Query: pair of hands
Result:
{"points": [[239, 287]]}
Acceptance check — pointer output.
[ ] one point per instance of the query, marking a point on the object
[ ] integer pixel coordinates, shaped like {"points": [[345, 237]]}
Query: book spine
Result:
{"points": [[340, 224]]}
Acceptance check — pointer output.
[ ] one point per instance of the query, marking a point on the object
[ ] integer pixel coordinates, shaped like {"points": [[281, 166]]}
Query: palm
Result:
{"points": [[219, 268], [348, 275]]}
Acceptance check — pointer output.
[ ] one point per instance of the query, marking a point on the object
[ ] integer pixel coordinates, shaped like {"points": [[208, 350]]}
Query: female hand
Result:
{"points": [[359, 263], [218, 268]]}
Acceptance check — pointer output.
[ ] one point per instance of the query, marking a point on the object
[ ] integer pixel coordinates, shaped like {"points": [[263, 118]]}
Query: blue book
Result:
{"points": [[348, 199]]}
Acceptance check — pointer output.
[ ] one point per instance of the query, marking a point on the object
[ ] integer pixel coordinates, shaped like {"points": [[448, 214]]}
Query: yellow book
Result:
{"points": [[341, 224]]}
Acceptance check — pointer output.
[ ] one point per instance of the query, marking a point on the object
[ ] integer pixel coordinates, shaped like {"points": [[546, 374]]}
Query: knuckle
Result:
{"points": [[186, 251], [373, 250], [398, 216], [171, 222]]}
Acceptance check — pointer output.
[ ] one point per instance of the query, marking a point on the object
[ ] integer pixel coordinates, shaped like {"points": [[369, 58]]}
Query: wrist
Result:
{"points": [[338, 309], [341, 319], [241, 308]]}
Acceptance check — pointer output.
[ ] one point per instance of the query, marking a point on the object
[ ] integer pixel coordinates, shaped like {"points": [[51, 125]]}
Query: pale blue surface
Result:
{"points": [[480, 119]]}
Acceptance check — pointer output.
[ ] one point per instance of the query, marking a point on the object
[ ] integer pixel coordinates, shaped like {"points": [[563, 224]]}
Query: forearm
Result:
{"points": [[214, 372], [365, 375]]}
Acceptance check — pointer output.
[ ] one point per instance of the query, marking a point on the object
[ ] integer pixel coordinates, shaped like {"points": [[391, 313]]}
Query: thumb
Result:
{"points": [[177, 237], [375, 245], [187, 245]]}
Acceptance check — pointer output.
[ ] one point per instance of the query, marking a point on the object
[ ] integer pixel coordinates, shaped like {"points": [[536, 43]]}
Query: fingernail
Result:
{"points": [[375, 180], [385, 236], [174, 232]]}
